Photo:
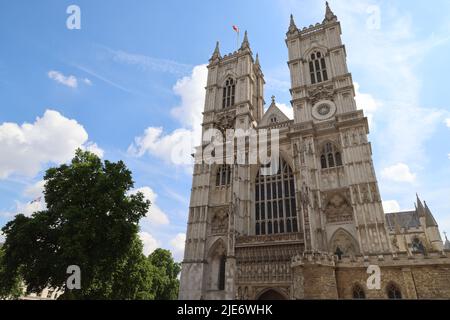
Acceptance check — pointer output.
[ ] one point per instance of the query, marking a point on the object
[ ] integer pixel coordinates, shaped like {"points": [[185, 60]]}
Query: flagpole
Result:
{"points": [[237, 41]]}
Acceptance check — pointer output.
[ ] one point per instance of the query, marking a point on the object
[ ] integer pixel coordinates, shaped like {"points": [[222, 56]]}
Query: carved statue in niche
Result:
{"points": [[219, 222], [343, 243], [316, 200], [365, 193], [304, 195], [346, 139], [338, 209], [395, 243]]}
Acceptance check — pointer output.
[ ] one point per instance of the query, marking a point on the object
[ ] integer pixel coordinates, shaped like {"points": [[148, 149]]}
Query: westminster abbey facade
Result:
{"points": [[311, 229]]}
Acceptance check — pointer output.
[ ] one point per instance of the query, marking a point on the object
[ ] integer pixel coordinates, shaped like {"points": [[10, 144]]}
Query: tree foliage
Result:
{"points": [[90, 221], [165, 284]]}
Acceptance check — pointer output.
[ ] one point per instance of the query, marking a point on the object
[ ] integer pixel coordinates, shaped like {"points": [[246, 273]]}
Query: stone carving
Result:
{"points": [[225, 121], [344, 243], [319, 93], [219, 222], [338, 209]]}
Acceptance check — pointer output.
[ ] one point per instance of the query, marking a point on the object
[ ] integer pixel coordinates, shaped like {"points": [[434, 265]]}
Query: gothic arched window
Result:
{"points": [[223, 176], [228, 93], [317, 67], [393, 291], [358, 292], [330, 157], [275, 208]]}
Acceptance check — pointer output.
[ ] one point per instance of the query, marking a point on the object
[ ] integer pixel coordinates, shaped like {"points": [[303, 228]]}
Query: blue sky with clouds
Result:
{"points": [[129, 85]]}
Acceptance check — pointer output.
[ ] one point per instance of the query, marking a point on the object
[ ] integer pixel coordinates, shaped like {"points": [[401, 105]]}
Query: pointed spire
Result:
{"points": [[429, 221], [292, 26], [420, 208], [216, 53], [245, 43], [329, 15], [257, 59], [447, 243]]}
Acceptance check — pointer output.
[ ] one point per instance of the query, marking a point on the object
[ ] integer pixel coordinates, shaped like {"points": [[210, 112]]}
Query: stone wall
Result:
{"points": [[417, 277]]}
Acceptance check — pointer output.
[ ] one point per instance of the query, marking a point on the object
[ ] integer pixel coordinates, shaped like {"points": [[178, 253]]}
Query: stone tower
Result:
{"points": [[220, 198], [342, 208]]}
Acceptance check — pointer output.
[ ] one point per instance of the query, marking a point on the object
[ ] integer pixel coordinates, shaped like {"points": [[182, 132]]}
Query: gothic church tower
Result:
{"points": [[341, 204], [220, 198]]}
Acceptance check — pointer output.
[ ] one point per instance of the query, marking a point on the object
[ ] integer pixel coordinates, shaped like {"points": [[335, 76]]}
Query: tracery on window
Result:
{"points": [[223, 175], [317, 67], [275, 207], [330, 157], [228, 93]]}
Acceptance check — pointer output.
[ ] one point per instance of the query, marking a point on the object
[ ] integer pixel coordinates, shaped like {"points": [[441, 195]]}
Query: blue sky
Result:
{"points": [[129, 85]]}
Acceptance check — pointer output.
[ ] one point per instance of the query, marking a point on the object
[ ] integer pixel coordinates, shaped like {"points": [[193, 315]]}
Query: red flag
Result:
{"points": [[235, 28]]}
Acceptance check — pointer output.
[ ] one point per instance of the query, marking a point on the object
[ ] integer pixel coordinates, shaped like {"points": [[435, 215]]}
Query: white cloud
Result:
{"points": [[35, 190], [149, 242], [177, 245], [149, 63], [447, 122], [94, 148], [366, 102], [2, 237], [191, 89], [399, 173], [155, 216], [31, 207], [52, 138], [287, 110], [277, 84], [69, 81], [26, 208], [391, 206], [177, 146], [178, 242]]}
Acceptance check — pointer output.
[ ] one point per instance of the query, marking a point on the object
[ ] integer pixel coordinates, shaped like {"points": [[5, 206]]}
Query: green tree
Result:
{"points": [[90, 221], [10, 287], [165, 284]]}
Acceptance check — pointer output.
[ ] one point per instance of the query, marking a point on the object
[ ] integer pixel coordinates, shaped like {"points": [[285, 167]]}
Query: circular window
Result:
{"points": [[324, 110]]}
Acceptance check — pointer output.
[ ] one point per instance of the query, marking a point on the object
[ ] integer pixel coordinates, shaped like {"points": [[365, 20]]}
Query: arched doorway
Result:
{"points": [[271, 294]]}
